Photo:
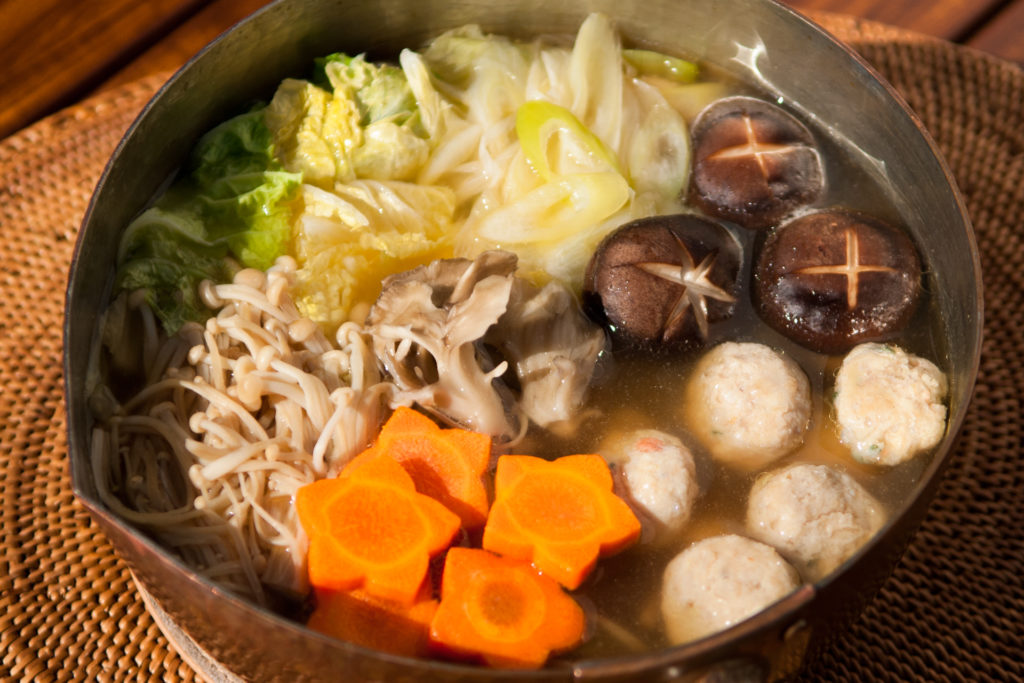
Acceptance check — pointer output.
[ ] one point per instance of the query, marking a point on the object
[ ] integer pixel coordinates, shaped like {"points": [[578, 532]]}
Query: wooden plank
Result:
{"points": [[186, 40], [949, 19], [53, 50], [1003, 34]]}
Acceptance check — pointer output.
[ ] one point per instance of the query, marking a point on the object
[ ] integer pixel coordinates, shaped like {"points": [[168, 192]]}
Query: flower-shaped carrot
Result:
{"points": [[502, 611], [446, 464], [382, 625], [559, 515], [370, 528]]}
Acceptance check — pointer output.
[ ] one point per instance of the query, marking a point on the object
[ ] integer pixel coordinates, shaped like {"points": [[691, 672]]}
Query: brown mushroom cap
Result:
{"points": [[753, 163], [832, 279], [661, 281]]}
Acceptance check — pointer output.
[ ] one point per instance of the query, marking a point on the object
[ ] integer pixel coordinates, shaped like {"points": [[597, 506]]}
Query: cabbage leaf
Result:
{"points": [[243, 191], [167, 253], [596, 79], [380, 92], [349, 239], [235, 201], [355, 119], [313, 131]]}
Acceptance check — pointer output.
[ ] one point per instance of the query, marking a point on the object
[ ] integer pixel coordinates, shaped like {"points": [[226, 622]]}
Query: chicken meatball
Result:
{"points": [[721, 581], [658, 474], [816, 516], [889, 404], [748, 404]]}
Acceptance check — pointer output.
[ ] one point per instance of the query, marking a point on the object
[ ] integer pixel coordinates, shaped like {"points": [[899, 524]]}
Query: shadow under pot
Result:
{"points": [[833, 279], [753, 162]]}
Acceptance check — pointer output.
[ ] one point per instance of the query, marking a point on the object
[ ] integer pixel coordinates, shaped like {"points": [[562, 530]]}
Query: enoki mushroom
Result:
{"points": [[236, 417]]}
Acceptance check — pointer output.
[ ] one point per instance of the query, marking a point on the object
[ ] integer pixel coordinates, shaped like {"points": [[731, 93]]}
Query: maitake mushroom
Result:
{"points": [[552, 347], [448, 332]]}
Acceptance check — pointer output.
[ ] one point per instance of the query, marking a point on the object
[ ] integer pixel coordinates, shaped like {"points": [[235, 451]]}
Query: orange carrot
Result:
{"points": [[358, 617], [369, 528], [502, 612], [559, 515], [446, 464]]}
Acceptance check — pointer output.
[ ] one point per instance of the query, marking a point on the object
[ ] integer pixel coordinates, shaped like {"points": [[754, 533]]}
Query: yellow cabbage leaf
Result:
{"points": [[349, 239], [314, 132]]}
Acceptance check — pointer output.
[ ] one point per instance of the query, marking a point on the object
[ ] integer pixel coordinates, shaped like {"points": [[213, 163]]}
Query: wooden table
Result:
{"points": [[55, 52]]}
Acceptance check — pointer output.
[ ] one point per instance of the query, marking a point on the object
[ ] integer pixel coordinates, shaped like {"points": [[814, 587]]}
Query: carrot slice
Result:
{"points": [[360, 618], [446, 464], [369, 528], [560, 515], [502, 612]]}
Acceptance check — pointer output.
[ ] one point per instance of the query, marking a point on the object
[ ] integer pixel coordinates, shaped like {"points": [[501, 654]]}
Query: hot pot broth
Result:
{"points": [[636, 393], [633, 390]]}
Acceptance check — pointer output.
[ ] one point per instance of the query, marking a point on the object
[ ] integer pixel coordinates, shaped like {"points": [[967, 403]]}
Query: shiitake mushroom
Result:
{"points": [[659, 282], [833, 279], [753, 162]]}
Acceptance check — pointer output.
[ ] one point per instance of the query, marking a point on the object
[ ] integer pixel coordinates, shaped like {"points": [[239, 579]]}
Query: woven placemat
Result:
{"points": [[951, 611]]}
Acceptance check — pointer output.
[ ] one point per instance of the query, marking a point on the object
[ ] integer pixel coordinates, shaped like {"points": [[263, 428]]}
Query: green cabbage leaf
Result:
{"points": [[235, 201]]}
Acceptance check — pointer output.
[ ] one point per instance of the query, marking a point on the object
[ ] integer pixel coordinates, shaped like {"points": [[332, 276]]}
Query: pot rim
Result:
{"points": [[785, 611]]}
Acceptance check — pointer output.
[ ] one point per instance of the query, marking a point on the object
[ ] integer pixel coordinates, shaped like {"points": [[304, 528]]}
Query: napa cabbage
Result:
{"points": [[243, 191], [348, 239], [475, 142], [596, 79], [378, 91], [167, 253], [313, 131], [355, 119], [360, 133], [554, 147], [234, 200]]}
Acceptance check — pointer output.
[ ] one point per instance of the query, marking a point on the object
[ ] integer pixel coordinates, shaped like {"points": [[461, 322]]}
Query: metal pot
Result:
{"points": [[762, 43]]}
